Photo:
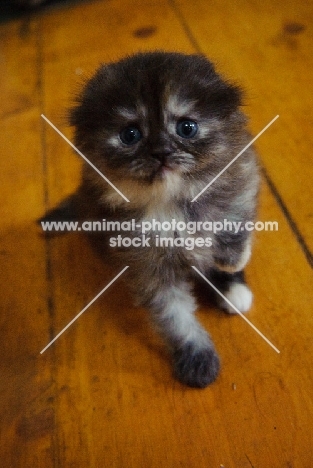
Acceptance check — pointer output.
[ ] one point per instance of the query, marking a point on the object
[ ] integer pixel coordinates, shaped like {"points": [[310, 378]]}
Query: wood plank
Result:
{"points": [[26, 387], [19, 59], [267, 48]]}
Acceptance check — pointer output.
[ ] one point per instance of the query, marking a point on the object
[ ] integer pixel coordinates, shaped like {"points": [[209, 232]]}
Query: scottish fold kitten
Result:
{"points": [[160, 126]]}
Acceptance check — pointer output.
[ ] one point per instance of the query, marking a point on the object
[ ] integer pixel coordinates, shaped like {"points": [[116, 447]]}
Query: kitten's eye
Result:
{"points": [[130, 135], [186, 128]]}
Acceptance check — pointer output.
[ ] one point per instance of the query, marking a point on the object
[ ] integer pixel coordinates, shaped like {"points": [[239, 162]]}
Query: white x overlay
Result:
{"points": [[235, 158], [83, 156], [126, 199], [84, 309], [236, 310]]}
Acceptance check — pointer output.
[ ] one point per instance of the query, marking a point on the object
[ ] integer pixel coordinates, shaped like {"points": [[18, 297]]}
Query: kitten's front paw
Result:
{"points": [[240, 296], [196, 368]]}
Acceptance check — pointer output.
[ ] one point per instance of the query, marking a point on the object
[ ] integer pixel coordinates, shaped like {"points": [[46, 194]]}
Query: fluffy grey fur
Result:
{"points": [[135, 121]]}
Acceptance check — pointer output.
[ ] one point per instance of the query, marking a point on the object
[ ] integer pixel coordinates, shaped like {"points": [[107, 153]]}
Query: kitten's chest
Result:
{"points": [[170, 227], [163, 218]]}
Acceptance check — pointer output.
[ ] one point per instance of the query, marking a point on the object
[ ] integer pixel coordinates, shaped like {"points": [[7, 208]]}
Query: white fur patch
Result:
{"points": [[132, 115], [240, 296], [210, 126], [178, 107], [177, 320], [114, 141], [128, 114]]}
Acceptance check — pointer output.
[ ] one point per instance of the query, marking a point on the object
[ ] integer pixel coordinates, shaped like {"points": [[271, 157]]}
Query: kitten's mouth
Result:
{"points": [[164, 169], [164, 166], [167, 167]]}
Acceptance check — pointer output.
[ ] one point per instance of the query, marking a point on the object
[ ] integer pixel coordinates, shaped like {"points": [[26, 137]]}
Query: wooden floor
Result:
{"points": [[103, 395]]}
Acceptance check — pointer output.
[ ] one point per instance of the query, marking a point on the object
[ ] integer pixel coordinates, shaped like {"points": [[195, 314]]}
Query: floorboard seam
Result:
{"points": [[47, 240], [185, 26], [291, 222]]}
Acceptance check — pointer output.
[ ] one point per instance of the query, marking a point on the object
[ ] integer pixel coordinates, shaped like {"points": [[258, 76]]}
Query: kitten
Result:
{"points": [[160, 126]]}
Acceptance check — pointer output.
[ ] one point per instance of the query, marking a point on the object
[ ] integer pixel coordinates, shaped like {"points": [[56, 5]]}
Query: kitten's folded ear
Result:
{"points": [[87, 109], [225, 98]]}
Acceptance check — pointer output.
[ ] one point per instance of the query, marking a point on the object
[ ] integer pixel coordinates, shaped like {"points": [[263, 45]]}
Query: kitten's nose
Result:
{"points": [[162, 154]]}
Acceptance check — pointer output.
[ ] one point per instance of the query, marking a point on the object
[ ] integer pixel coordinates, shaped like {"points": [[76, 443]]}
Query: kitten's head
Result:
{"points": [[152, 115]]}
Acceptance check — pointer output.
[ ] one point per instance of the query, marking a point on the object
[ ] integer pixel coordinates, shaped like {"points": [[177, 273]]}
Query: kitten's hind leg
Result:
{"points": [[234, 288], [196, 362]]}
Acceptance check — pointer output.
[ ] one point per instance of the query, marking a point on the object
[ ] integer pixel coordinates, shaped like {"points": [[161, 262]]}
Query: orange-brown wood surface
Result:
{"points": [[103, 394]]}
